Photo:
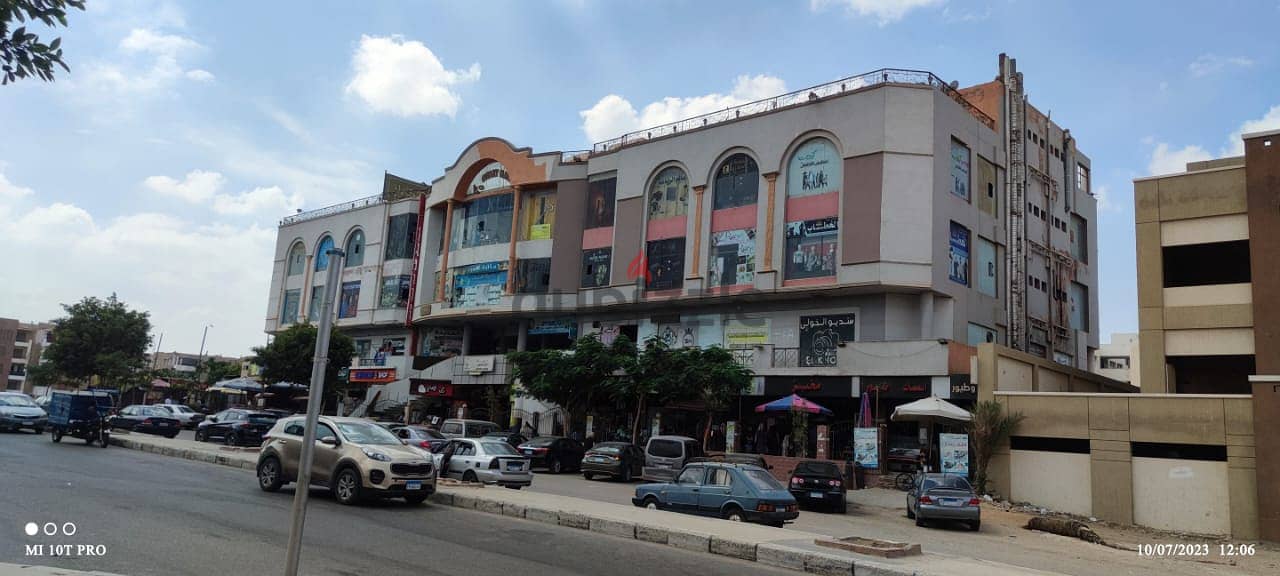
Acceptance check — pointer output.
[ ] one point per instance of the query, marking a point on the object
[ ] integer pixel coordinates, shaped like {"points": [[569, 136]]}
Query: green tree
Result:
{"points": [[716, 378], [102, 338], [214, 370], [22, 54], [655, 373], [578, 380], [989, 427], [289, 356]]}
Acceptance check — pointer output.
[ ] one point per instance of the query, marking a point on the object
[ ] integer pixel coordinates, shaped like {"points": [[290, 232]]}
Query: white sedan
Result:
{"points": [[487, 460]]}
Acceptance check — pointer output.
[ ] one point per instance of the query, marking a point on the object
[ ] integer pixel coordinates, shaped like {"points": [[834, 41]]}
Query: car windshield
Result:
{"points": [[154, 411], [428, 433], [262, 417], [950, 482], [817, 469], [15, 400], [607, 449], [665, 448], [367, 433], [761, 480], [499, 449], [180, 409], [543, 441]]}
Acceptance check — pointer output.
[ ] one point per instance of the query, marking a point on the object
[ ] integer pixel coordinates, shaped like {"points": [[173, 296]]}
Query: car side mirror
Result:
{"points": [[328, 441], [213, 418]]}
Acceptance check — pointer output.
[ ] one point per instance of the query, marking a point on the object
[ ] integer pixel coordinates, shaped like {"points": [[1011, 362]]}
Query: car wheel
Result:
{"points": [[171, 436], [416, 499], [201, 436], [910, 515], [843, 506], [105, 438], [39, 430], [733, 514], [231, 439], [555, 467], [57, 435], [88, 441], [513, 486], [920, 521], [652, 503], [269, 476], [975, 525], [588, 475], [346, 489], [470, 476], [626, 473]]}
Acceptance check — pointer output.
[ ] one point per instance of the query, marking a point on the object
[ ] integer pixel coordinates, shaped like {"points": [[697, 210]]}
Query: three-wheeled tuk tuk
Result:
{"points": [[82, 414]]}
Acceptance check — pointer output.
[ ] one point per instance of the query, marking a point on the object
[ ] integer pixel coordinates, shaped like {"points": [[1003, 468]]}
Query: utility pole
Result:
{"points": [[315, 395], [200, 360]]}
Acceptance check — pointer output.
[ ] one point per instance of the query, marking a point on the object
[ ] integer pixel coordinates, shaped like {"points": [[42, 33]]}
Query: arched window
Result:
{"points": [[297, 259], [737, 182], [355, 249], [669, 194], [322, 253], [815, 168]]}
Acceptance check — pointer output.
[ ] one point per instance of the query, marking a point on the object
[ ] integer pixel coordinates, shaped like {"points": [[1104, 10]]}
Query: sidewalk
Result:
{"points": [[786, 548], [27, 570]]}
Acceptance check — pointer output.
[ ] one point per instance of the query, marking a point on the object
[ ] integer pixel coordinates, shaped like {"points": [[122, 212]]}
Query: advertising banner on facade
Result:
{"points": [[373, 376], [866, 447], [959, 254], [426, 387], [821, 335], [954, 453], [743, 333]]}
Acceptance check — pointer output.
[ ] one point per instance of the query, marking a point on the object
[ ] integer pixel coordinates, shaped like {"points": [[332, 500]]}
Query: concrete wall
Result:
{"points": [[1055, 480], [1192, 495]]}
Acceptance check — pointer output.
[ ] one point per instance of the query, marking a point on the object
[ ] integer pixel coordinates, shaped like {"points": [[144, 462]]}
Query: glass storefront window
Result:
{"points": [[959, 169], [959, 247], [595, 267], [355, 249], [811, 248], [533, 276], [322, 253], [478, 284], [492, 177], [289, 307], [733, 258], [297, 259], [313, 308], [815, 168], [401, 230], [669, 194], [737, 182], [395, 292], [482, 222], [666, 264], [349, 302], [987, 272]]}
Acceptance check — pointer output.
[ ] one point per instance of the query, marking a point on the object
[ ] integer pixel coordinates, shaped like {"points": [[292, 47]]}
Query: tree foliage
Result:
{"points": [[22, 54], [214, 370], [101, 338], [289, 356], [989, 427], [577, 380]]}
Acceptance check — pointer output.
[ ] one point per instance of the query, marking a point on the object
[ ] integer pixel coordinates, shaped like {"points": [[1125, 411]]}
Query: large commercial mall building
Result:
{"points": [[846, 239]]}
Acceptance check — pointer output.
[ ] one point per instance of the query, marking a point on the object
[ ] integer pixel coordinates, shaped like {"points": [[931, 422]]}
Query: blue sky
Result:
{"points": [[159, 167]]}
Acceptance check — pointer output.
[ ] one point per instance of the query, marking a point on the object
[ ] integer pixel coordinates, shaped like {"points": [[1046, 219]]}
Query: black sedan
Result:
{"points": [[619, 460], [420, 436], [819, 482], [236, 427], [555, 453], [146, 420]]}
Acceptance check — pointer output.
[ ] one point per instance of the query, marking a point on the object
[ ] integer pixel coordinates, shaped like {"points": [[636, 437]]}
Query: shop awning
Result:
{"points": [[242, 384], [930, 409], [226, 390], [792, 402], [158, 383]]}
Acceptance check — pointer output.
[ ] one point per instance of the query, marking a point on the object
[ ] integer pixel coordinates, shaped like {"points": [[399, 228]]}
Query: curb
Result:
{"points": [[768, 553]]}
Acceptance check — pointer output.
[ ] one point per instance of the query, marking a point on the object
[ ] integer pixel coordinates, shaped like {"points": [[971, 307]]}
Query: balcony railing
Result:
{"points": [[574, 156], [785, 358], [331, 210], [799, 97]]}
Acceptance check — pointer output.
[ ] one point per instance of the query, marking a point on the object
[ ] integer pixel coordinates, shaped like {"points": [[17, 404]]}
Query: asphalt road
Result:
{"points": [[159, 515]]}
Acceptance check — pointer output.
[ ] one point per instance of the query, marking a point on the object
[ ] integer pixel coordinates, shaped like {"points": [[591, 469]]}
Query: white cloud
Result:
{"points": [[156, 262], [1207, 64], [267, 201], [1105, 204], [10, 191], [884, 11], [197, 187], [200, 75], [403, 77], [1166, 160], [1268, 121], [147, 64], [150, 41], [614, 115]]}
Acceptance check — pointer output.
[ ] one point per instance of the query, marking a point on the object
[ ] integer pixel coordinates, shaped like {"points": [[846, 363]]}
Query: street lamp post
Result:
{"points": [[321, 360]]}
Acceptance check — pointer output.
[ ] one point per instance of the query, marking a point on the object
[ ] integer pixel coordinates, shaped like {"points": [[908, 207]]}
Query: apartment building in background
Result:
{"points": [[380, 235], [1118, 359], [1209, 319], [21, 344]]}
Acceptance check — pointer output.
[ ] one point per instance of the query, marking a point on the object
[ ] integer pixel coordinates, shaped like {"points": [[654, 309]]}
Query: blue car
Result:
{"points": [[736, 492]]}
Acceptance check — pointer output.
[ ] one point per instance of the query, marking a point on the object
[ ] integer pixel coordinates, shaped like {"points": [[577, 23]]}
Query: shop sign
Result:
{"points": [[809, 386], [442, 341], [539, 231], [477, 364], [424, 387], [558, 326], [954, 453], [746, 333], [821, 335], [896, 386], [866, 447], [374, 376], [730, 436], [962, 388]]}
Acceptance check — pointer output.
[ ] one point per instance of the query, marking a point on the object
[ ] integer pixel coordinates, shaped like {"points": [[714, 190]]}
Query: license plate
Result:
{"points": [[952, 502], [513, 465], [27, 423], [528, 451], [815, 495], [164, 424], [413, 485]]}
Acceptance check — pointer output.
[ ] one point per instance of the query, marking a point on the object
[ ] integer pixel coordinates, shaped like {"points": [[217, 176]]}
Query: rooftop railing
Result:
{"points": [[799, 97], [574, 156], [331, 210]]}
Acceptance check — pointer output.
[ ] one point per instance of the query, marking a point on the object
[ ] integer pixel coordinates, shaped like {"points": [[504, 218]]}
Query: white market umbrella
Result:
{"points": [[929, 409]]}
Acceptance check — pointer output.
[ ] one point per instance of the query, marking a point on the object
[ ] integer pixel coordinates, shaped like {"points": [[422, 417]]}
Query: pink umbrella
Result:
{"points": [[792, 402], [158, 383]]}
